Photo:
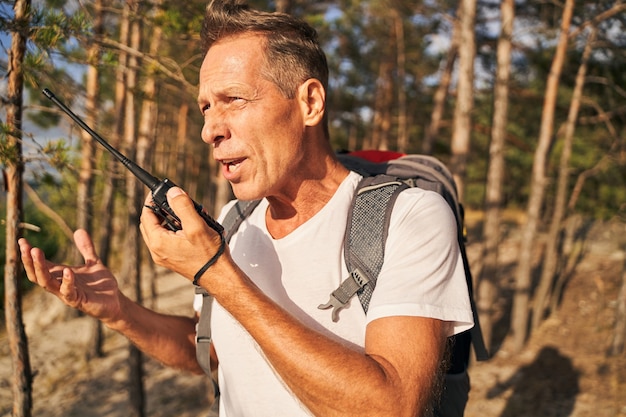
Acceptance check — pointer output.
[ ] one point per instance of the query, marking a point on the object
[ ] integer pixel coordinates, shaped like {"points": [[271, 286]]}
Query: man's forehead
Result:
{"points": [[233, 66], [233, 53]]}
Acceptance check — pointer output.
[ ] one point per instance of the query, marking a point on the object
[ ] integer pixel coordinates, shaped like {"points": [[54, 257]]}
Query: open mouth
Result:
{"points": [[232, 165]]}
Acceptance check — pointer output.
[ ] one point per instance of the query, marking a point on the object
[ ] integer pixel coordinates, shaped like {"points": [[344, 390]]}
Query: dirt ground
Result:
{"points": [[563, 371]]}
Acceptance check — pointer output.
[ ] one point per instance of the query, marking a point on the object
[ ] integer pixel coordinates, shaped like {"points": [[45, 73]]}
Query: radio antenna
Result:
{"points": [[144, 176]]}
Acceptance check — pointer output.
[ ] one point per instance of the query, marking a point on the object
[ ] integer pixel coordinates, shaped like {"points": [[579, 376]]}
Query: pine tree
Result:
{"points": [[12, 158]]}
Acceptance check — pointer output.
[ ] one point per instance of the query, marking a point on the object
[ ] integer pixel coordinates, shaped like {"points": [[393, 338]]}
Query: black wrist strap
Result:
{"points": [[210, 261]]}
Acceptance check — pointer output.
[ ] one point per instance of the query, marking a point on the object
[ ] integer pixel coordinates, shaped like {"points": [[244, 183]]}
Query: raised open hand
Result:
{"points": [[91, 287]]}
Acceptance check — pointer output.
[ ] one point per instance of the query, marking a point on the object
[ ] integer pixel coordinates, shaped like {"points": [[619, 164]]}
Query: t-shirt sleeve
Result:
{"points": [[422, 274]]}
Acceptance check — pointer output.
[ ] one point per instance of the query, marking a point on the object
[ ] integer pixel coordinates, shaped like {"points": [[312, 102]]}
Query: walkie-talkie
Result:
{"points": [[157, 187]]}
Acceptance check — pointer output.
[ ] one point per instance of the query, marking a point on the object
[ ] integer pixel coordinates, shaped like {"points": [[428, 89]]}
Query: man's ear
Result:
{"points": [[312, 97]]}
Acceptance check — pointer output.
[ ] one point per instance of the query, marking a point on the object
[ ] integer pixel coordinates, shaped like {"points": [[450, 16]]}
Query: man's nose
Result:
{"points": [[214, 130]]}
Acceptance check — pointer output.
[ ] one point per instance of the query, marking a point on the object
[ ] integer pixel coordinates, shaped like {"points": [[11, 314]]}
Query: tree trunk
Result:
{"points": [[284, 6], [617, 346], [488, 280], [439, 98], [403, 123], [148, 118], [84, 203], [132, 266], [107, 203], [519, 318], [181, 139], [382, 106], [21, 383], [465, 97], [605, 161], [85, 195], [551, 257]]}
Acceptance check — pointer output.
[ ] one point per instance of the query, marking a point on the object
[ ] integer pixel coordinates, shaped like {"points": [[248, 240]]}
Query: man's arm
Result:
{"points": [[395, 377], [169, 339], [93, 289]]}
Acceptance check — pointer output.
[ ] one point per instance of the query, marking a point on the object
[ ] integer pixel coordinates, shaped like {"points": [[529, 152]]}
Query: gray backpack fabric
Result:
{"points": [[364, 246]]}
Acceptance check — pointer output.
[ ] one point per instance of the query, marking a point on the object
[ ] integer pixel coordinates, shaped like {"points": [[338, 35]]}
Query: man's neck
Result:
{"points": [[286, 213]]}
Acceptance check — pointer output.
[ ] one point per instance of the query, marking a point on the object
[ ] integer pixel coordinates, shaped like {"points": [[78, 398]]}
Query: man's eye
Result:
{"points": [[205, 108]]}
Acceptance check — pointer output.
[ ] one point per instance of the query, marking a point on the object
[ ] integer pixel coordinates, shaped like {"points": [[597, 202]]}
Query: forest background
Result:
{"points": [[525, 101]]}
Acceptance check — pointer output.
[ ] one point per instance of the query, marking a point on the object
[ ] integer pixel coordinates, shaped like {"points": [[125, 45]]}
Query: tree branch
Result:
{"points": [[607, 14], [176, 75], [45, 209]]}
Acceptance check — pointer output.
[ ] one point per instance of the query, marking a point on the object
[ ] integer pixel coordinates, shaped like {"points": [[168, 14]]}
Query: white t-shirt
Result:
{"points": [[422, 275]]}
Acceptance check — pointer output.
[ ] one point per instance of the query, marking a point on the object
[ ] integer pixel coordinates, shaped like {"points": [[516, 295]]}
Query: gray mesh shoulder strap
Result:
{"points": [[233, 219], [236, 215], [364, 244]]}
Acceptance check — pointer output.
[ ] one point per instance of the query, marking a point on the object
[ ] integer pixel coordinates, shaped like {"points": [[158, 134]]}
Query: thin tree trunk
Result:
{"points": [[403, 124], [462, 128], [284, 6], [84, 203], [179, 150], [353, 137], [439, 98], [382, 105], [606, 160], [520, 313], [488, 280], [21, 383], [552, 245], [148, 118], [601, 165], [84, 215], [107, 203], [619, 337], [132, 267]]}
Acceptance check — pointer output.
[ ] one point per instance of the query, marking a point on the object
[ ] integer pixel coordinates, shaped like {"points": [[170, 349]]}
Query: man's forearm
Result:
{"points": [[167, 338], [390, 378]]}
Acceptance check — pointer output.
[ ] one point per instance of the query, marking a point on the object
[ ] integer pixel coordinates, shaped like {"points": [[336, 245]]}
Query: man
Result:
{"points": [[262, 95]]}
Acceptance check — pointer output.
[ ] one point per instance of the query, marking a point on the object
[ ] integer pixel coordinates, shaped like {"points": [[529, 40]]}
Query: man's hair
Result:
{"points": [[292, 50]]}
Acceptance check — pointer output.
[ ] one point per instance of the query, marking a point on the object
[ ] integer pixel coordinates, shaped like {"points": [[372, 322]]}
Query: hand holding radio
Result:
{"points": [[190, 252], [162, 209]]}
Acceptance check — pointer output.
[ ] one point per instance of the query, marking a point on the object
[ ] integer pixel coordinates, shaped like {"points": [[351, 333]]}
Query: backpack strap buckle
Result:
{"points": [[335, 304], [342, 295]]}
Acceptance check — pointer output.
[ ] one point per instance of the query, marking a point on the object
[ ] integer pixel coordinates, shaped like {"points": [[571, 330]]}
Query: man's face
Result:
{"points": [[256, 132]]}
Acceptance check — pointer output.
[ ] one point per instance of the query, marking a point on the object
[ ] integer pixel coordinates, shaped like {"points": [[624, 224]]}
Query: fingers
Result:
{"points": [[149, 224], [149, 221], [53, 278], [148, 217], [27, 259], [85, 246], [34, 264], [182, 206], [44, 273], [67, 290]]}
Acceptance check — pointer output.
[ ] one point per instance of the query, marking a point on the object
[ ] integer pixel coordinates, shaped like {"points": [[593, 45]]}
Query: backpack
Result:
{"points": [[385, 175], [367, 229]]}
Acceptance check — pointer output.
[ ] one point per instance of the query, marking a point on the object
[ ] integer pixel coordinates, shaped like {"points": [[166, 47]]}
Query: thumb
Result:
{"points": [[183, 206], [85, 246]]}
